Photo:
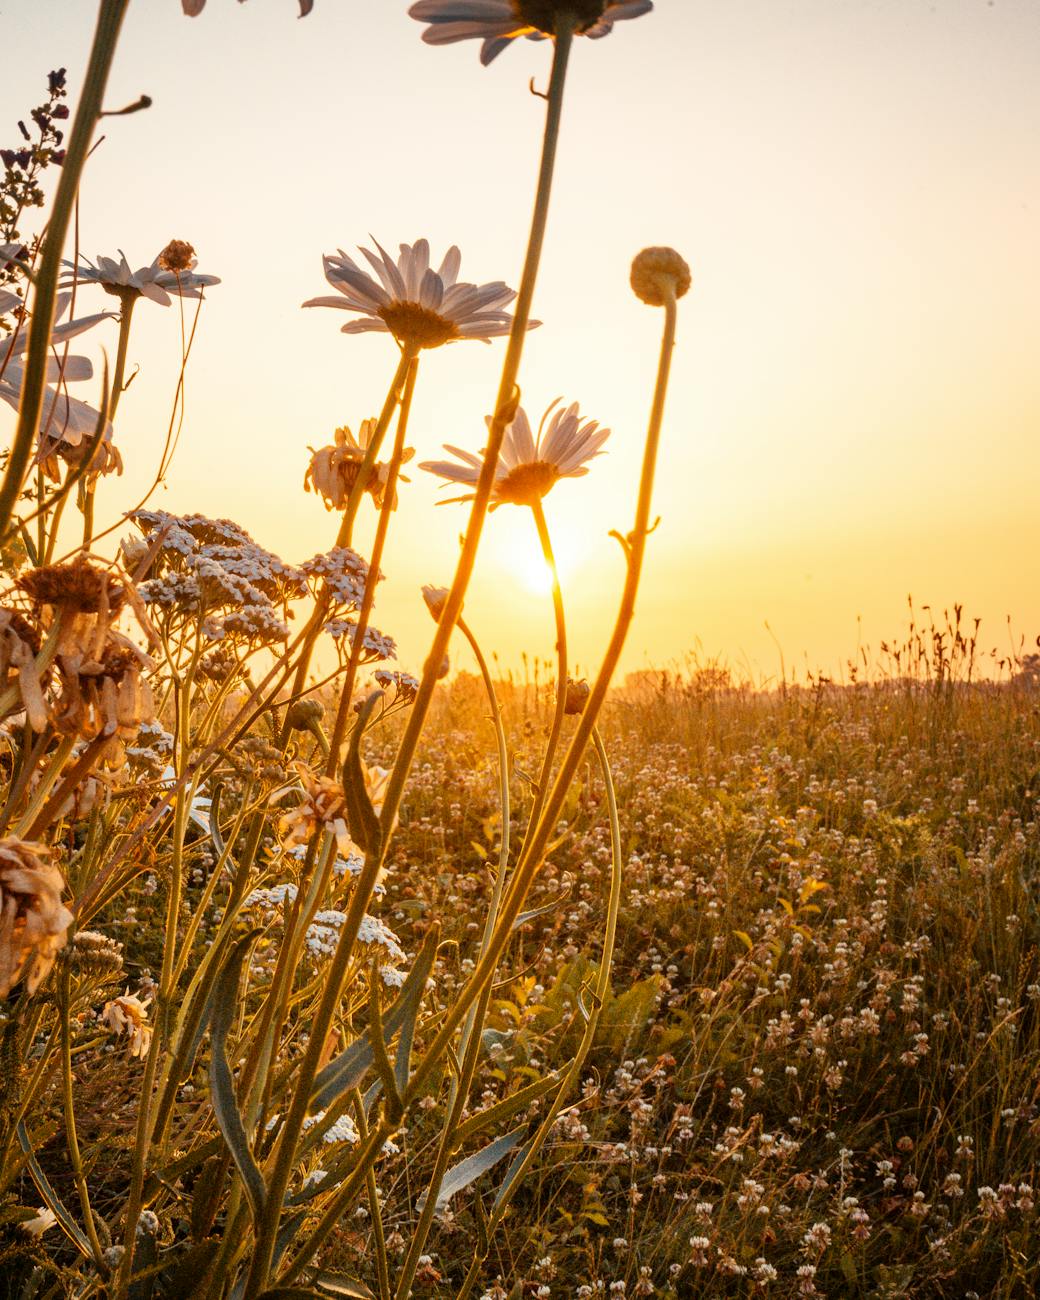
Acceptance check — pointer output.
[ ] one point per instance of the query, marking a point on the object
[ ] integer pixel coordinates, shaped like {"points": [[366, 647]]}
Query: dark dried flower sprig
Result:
{"points": [[21, 186]]}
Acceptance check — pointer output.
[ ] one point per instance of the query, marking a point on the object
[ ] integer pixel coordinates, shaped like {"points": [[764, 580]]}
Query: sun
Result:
{"points": [[535, 574]]}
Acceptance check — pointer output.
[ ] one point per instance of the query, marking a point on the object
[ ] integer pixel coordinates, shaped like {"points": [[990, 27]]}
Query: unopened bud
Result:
{"points": [[658, 274]]}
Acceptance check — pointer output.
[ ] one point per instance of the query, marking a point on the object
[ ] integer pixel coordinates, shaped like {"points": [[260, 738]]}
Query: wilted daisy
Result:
{"points": [[64, 421], [334, 470], [498, 22], [155, 282], [33, 919], [420, 307], [130, 1014], [528, 467]]}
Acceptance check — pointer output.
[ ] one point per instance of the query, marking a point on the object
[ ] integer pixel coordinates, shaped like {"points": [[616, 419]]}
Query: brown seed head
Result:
{"points": [[77, 586], [178, 256]]}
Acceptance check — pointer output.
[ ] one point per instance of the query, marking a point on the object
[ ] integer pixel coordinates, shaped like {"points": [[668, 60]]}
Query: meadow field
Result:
{"points": [[460, 955]]}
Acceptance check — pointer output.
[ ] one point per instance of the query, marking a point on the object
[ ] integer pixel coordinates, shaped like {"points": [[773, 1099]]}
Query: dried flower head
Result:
{"points": [[77, 587], [19, 645], [177, 256], [130, 1014], [527, 467], [659, 274], [420, 307], [94, 956], [323, 807], [33, 919]]}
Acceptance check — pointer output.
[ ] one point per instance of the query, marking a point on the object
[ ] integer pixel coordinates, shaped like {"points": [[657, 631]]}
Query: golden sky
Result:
{"points": [[855, 406]]}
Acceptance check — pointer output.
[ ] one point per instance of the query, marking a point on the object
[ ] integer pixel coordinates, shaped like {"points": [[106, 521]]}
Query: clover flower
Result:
{"points": [[420, 307], [497, 23], [528, 467], [130, 1013], [333, 471], [155, 282], [33, 919]]}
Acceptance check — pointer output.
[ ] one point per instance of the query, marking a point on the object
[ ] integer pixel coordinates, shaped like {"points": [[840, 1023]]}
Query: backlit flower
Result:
{"points": [[421, 307], [64, 421], [33, 919], [528, 467], [130, 1014], [334, 470], [154, 282], [497, 22]]}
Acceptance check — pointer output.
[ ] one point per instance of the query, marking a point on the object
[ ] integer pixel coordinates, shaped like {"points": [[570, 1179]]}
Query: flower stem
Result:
{"points": [[599, 996], [561, 671], [106, 33], [469, 1044], [368, 599], [505, 406]]}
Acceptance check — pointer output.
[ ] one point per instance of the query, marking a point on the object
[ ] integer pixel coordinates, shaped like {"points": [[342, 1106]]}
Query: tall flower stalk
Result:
{"points": [[505, 406]]}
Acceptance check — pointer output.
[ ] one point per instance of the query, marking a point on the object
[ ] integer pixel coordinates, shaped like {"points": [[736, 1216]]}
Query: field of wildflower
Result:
{"points": [[321, 977]]}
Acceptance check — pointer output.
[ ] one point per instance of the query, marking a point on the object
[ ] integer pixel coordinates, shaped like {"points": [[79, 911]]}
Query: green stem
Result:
{"points": [[561, 670], [75, 1159], [599, 995], [531, 858], [368, 599], [505, 406], [469, 1044], [106, 33]]}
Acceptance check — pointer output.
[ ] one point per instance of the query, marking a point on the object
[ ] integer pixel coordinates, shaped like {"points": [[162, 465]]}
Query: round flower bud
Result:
{"points": [[657, 273], [305, 715], [444, 669], [436, 598], [576, 696]]}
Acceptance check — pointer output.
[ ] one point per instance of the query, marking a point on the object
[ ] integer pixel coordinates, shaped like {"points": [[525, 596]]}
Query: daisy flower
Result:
{"points": [[498, 22], [64, 421], [528, 466], [155, 282], [420, 307]]}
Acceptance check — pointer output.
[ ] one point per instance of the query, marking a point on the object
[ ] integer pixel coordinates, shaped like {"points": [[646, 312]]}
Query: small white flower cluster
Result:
{"points": [[344, 573], [341, 1130], [375, 644], [212, 568]]}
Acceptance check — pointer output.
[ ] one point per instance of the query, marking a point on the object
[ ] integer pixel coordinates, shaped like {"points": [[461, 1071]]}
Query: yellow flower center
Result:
{"points": [[543, 13], [410, 322], [526, 484]]}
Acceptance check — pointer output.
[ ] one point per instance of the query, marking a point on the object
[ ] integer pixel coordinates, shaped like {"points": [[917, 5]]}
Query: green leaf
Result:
{"points": [[506, 1108], [551, 906], [222, 1086], [338, 1284], [214, 816], [512, 1172], [625, 1018], [350, 1067], [362, 822], [49, 1196], [467, 1171]]}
